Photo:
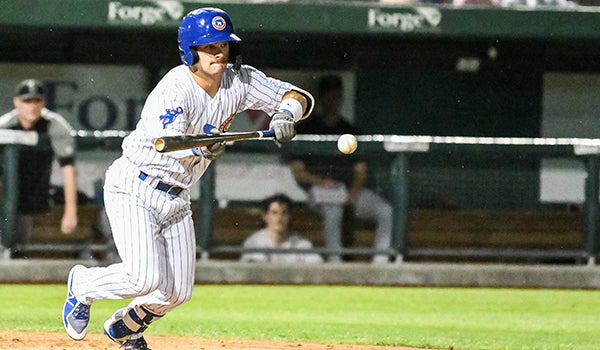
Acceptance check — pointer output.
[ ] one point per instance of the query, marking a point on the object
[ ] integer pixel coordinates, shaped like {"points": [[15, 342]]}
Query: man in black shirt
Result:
{"points": [[35, 162], [337, 181]]}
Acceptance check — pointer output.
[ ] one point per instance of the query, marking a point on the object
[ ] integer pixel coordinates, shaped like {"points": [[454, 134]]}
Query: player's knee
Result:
{"points": [[180, 297], [143, 286]]}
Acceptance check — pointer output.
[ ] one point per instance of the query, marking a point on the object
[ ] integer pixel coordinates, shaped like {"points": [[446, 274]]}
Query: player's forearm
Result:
{"points": [[306, 100], [298, 97]]}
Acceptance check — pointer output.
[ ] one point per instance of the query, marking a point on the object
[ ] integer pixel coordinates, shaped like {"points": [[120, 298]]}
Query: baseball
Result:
{"points": [[347, 143]]}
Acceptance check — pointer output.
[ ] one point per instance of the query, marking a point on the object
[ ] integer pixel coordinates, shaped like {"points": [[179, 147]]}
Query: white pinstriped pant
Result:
{"points": [[154, 235]]}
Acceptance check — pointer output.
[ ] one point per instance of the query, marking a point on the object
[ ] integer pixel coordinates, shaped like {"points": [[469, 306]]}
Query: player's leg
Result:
{"points": [[371, 206], [135, 229], [178, 258], [136, 234], [76, 313], [127, 325], [180, 266], [332, 215]]}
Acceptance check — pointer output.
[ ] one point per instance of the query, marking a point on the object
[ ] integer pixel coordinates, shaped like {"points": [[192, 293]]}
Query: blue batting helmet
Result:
{"points": [[205, 26]]}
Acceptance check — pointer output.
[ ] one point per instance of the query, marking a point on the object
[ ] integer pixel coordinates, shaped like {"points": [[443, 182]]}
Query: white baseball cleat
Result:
{"points": [[76, 315]]}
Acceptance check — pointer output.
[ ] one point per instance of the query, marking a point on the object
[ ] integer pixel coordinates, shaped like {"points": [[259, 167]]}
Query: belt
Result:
{"points": [[161, 186]]}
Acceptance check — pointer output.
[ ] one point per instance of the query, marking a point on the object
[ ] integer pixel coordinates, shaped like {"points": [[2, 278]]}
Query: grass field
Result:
{"points": [[438, 318]]}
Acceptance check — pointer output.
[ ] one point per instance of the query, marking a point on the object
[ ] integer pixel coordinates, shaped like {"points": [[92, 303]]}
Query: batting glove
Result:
{"points": [[283, 124], [211, 152]]}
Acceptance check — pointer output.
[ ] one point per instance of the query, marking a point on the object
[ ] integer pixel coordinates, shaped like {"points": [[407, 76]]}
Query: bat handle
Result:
{"points": [[210, 129], [267, 133]]}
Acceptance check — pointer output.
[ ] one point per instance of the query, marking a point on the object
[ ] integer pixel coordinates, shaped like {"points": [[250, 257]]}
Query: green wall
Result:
{"points": [[449, 103], [404, 58]]}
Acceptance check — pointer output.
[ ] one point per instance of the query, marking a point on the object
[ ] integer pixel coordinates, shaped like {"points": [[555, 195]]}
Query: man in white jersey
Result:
{"points": [[147, 193], [35, 162]]}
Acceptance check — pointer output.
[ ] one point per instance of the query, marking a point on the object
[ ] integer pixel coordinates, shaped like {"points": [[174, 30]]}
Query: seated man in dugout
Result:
{"points": [[336, 183], [276, 234]]}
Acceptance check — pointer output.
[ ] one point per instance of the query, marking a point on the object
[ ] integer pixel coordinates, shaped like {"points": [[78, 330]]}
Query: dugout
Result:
{"points": [[425, 69], [415, 70]]}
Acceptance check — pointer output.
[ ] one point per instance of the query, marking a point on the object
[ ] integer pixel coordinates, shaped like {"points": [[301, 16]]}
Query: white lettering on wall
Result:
{"points": [[162, 11], [407, 20]]}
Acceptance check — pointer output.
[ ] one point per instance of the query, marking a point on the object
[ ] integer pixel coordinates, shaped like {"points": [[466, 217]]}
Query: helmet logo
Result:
{"points": [[219, 23]]}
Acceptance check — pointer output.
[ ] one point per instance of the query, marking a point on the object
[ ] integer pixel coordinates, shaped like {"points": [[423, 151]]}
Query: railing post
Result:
{"points": [[204, 224], [11, 193], [400, 203], [591, 208]]}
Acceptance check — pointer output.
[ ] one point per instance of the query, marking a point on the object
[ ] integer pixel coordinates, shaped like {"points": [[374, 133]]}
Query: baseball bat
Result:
{"points": [[180, 142]]}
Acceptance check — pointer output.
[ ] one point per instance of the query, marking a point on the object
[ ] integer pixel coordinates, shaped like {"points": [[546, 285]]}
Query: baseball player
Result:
{"points": [[35, 162], [147, 194]]}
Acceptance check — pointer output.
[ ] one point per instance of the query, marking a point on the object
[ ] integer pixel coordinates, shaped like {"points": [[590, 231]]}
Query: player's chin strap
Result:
{"points": [[133, 321], [237, 64]]}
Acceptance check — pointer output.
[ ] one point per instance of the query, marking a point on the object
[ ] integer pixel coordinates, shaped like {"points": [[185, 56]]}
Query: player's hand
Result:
{"points": [[213, 151], [283, 125]]}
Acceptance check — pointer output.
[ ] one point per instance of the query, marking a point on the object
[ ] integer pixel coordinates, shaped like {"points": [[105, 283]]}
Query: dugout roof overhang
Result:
{"points": [[311, 17], [303, 33]]}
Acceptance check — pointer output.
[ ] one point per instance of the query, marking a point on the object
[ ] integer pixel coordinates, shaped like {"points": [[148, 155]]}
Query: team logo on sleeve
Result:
{"points": [[170, 115], [219, 23]]}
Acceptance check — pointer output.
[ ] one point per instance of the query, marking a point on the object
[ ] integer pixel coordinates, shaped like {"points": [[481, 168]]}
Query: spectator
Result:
{"points": [[337, 181], [35, 162], [276, 216]]}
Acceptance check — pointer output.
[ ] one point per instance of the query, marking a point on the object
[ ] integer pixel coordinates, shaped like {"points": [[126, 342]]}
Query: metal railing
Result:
{"points": [[400, 148]]}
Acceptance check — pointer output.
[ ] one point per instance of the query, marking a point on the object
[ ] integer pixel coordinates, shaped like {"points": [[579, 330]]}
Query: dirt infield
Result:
{"points": [[45, 341]]}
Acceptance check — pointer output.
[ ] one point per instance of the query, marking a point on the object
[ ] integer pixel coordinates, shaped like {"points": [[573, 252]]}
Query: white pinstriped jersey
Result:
{"points": [[178, 105]]}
